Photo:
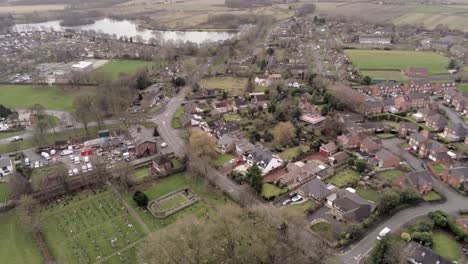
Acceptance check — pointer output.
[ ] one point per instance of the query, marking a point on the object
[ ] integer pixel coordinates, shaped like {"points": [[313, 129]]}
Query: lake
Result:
{"points": [[126, 28]]}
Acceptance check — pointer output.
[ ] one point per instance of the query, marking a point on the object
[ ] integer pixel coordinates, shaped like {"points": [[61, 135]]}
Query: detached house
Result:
{"points": [[433, 150], [349, 207], [437, 122], [420, 180], [328, 149], [143, 141], [385, 159], [6, 166], [456, 177], [455, 132], [226, 143], [350, 140], [416, 140], [264, 159], [370, 146], [227, 128], [315, 189], [299, 172], [407, 128], [419, 254]]}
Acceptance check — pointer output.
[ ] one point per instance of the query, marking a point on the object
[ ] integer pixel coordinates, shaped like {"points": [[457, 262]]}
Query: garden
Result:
{"points": [[432, 196], [89, 226], [232, 85], [325, 229], [344, 178], [270, 191], [390, 175], [369, 194], [176, 119]]}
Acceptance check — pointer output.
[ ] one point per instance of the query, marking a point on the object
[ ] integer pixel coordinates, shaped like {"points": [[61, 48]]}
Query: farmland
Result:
{"points": [[52, 98], [397, 60], [115, 68]]}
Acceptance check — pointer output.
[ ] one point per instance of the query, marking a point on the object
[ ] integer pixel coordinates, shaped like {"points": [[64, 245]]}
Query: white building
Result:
{"points": [[6, 167], [82, 65]]}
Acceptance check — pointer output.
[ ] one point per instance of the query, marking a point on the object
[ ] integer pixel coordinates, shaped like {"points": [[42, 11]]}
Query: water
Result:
{"points": [[126, 28]]}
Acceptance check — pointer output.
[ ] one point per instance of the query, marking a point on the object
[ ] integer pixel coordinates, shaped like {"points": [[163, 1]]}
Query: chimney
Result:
{"points": [[138, 130]]}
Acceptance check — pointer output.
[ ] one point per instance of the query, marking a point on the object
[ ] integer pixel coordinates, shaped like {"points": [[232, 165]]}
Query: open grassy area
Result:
{"points": [[233, 85], [270, 190], [3, 192], [222, 159], [431, 196], [51, 98], [390, 175], [397, 60], [446, 246], [325, 230], [209, 199], [290, 153], [439, 168], [18, 246], [344, 178], [88, 227], [176, 120], [368, 194], [303, 207], [463, 87], [141, 173], [385, 135], [386, 75], [115, 68], [9, 134]]}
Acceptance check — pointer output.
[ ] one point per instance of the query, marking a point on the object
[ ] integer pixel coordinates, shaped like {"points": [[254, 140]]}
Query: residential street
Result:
{"points": [[451, 113], [454, 203]]}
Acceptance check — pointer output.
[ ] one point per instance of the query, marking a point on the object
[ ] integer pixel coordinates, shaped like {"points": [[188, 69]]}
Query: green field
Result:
{"points": [[233, 85], [344, 178], [291, 153], [446, 246], [368, 194], [432, 196], [3, 192], [397, 60], [386, 75], [463, 87], [115, 68], [18, 246], [390, 175], [439, 168], [209, 199], [9, 134], [88, 227], [51, 98], [270, 190], [222, 159]]}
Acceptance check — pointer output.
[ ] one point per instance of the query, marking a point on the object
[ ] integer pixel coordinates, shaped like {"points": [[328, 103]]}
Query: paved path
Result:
{"points": [[454, 203]]}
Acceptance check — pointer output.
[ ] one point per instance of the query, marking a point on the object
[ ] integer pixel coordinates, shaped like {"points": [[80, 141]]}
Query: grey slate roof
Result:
{"points": [[421, 254], [316, 188]]}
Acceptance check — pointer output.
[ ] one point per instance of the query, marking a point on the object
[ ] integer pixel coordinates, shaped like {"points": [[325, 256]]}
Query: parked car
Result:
{"points": [[36, 164], [89, 166], [52, 152], [297, 198], [292, 194], [72, 158], [26, 161], [163, 145], [75, 171], [70, 173], [66, 152], [16, 138], [77, 160], [383, 233], [286, 202], [86, 159], [84, 168]]}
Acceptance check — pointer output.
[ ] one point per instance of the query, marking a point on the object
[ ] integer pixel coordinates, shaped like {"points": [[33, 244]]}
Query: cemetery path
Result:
{"points": [[130, 210], [101, 260]]}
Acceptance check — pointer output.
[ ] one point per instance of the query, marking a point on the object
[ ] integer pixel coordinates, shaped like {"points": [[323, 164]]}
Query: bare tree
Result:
{"points": [[18, 185], [83, 110], [284, 132], [202, 151]]}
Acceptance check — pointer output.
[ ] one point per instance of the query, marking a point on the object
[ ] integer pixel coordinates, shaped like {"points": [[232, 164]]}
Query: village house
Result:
{"points": [[460, 103], [418, 100], [418, 254], [315, 189], [385, 89], [371, 127], [261, 100], [384, 159], [417, 72], [264, 159], [416, 140], [244, 147], [300, 172], [419, 180], [149, 99], [424, 113], [350, 140], [328, 149], [455, 132], [456, 177], [226, 128], [6, 166], [143, 141], [226, 143], [436, 122], [188, 120], [433, 150], [239, 103], [407, 128], [375, 40], [221, 107], [349, 207], [370, 146], [338, 158], [25, 118], [194, 108]]}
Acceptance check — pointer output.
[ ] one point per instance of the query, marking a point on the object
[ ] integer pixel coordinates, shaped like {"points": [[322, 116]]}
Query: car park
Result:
{"points": [[75, 171]]}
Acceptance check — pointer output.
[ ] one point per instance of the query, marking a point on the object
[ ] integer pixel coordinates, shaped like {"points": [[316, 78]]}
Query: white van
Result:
{"points": [[66, 152], [77, 160], [86, 159], [383, 233], [45, 155]]}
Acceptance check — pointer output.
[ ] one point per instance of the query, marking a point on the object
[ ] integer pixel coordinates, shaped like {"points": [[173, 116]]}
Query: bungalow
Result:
{"points": [[244, 147], [239, 103], [264, 159], [420, 180], [143, 141], [418, 254], [385, 159], [328, 149], [417, 72], [407, 128], [455, 132], [227, 128], [437, 122], [193, 108], [222, 107], [149, 99], [370, 146], [315, 189], [6, 166], [226, 143], [349, 207], [456, 177], [188, 120]]}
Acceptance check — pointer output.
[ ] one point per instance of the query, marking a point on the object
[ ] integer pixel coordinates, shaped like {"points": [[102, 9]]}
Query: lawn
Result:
{"points": [[18, 246], [390, 175], [463, 87], [154, 109], [9, 134], [270, 190], [209, 199], [369, 194], [51, 98], [344, 178], [176, 120], [88, 227], [221, 160], [439, 168], [141, 173], [446, 246], [176, 164], [259, 88], [3, 192], [303, 207], [115, 68], [397, 60], [386, 75], [291, 153], [172, 202], [395, 125], [432, 196], [231, 117], [325, 230], [233, 85], [385, 135]]}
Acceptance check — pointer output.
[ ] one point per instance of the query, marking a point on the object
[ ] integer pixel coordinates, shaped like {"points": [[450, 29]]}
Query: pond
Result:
{"points": [[127, 28]]}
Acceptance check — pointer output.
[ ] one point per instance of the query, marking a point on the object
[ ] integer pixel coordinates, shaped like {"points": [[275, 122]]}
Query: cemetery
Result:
{"points": [[91, 226], [172, 202]]}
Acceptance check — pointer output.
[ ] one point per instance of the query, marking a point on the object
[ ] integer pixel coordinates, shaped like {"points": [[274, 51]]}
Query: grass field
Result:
{"points": [[385, 75], [270, 190], [290, 153], [222, 159], [18, 246], [9, 134], [176, 120], [368, 194], [397, 60], [115, 68], [432, 196], [88, 228], [463, 87], [3, 192], [344, 178], [446, 246], [52, 98], [390, 175], [141, 173], [232, 85], [439, 168], [209, 199], [325, 230]]}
